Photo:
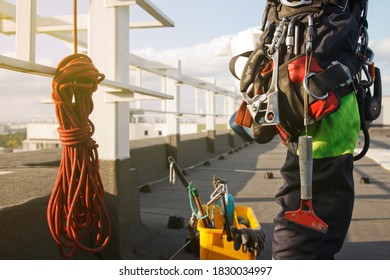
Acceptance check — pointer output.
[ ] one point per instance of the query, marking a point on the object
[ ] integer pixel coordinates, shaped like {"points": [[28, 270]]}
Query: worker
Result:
{"points": [[334, 137]]}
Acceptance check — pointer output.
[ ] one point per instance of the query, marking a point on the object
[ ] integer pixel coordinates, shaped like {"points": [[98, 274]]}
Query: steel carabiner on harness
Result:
{"points": [[297, 4], [278, 37], [309, 34]]}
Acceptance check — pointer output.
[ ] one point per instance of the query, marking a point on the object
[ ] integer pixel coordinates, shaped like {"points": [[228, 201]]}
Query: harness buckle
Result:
{"points": [[346, 70], [307, 89]]}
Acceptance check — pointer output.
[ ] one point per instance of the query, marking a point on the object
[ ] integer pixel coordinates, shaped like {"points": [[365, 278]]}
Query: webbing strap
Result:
{"points": [[243, 117], [328, 79], [233, 61], [253, 65]]}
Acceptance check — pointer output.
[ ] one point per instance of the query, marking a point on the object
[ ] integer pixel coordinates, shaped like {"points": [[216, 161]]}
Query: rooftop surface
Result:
{"points": [[245, 170]]}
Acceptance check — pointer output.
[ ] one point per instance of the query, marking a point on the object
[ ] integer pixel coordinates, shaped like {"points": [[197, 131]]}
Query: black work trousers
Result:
{"points": [[333, 198]]}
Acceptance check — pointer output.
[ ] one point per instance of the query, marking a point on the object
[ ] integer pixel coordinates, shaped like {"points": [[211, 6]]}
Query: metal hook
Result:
{"points": [[172, 174], [296, 4], [220, 190], [366, 83], [307, 89]]}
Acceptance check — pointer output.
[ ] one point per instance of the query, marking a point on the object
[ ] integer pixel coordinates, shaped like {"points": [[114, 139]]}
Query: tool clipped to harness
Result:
{"points": [[305, 215], [264, 108]]}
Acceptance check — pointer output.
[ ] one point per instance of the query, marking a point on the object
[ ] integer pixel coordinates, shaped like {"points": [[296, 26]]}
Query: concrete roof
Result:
{"points": [[244, 169]]}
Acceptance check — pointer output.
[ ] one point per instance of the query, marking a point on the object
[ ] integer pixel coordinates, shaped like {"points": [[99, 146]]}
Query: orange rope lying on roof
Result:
{"points": [[76, 210]]}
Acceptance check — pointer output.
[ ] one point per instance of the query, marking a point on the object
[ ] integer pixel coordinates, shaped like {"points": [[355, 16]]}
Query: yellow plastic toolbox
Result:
{"points": [[213, 241]]}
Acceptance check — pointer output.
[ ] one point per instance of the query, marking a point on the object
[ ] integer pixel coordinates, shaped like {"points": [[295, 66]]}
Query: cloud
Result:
{"points": [[199, 60], [208, 59], [21, 93], [381, 49], [21, 96]]}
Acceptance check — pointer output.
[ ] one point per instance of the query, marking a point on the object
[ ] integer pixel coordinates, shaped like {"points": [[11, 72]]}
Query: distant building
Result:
{"points": [[9, 128], [3, 128], [41, 134]]}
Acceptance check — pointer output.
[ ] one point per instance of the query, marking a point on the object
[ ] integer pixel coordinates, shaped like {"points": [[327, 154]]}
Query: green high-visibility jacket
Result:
{"points": [[337, 134]]}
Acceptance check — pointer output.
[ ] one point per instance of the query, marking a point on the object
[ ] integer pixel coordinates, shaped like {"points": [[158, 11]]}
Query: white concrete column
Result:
{"points": [[229, 107], [173, 105], [138, 82], [25, 29], [163, 88], [196, 105], [210, 111], [170, 86], [108, 47]]}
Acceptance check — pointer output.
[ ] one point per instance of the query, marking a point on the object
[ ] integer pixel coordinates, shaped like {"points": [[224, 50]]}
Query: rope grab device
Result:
{"points": [[76, 213]]}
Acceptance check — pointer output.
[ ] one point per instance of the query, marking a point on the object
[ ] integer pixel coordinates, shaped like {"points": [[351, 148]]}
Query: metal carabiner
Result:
{"points": [[307, 89], [342, 7], [270, 114], [297, 4], [172, 174], [246, 97], [215, 195], [309, 34], [366, 83], [219, 192]]}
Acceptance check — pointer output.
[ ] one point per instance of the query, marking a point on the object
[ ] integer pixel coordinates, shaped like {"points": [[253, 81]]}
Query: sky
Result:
{"points": [[206, 34]]}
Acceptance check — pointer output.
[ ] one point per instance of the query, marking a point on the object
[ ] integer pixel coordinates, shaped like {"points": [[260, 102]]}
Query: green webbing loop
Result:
{"points": [[192, 189], [193, 192]]}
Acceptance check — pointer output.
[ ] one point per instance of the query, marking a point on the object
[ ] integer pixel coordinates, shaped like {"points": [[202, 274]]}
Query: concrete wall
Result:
{"points": [[153, 130], [150, 156]]}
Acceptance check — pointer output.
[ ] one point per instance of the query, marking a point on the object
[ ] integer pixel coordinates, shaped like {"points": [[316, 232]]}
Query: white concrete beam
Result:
{"points": [[163, 69], [118, 90], [117, 3], [138, 82], [155, 12], [210, 110]]}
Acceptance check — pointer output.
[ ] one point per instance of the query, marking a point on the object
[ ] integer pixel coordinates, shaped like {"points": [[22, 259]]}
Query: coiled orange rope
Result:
{"points": [[76, 213]]}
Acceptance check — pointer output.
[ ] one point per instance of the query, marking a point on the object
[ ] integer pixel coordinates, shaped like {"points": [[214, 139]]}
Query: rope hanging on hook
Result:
{"points": [[76, 208], [76, 214]]}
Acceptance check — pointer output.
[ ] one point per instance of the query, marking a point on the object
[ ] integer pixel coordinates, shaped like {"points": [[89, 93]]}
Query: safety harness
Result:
{"points": [[308, 48]]}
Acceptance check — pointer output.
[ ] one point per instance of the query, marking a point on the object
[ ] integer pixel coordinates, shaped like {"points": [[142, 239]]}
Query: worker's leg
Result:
{"points": [[333, 196]]}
